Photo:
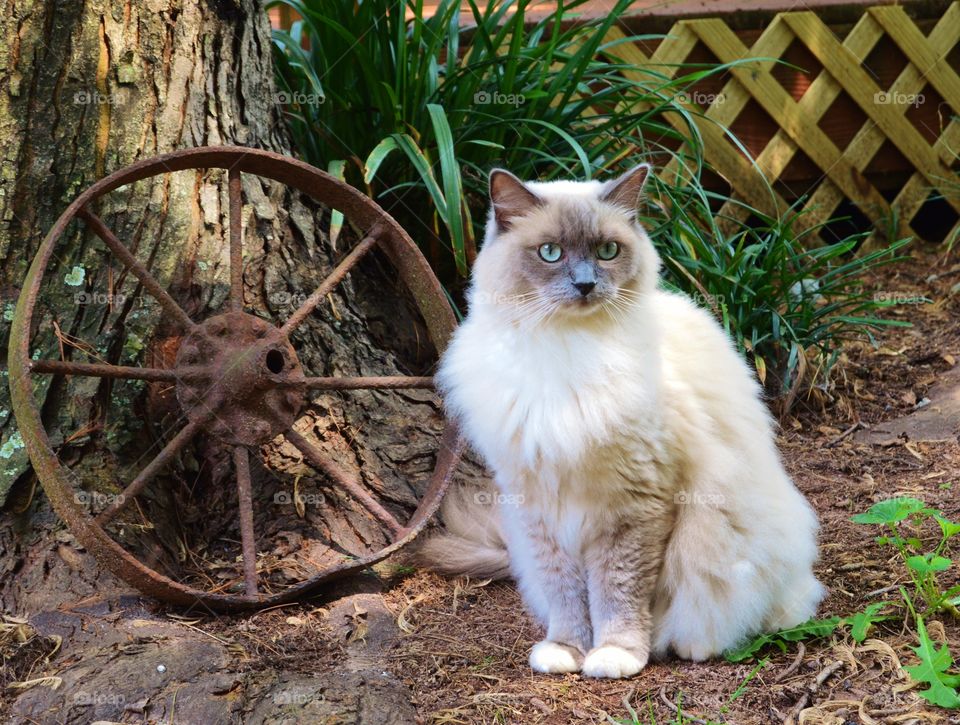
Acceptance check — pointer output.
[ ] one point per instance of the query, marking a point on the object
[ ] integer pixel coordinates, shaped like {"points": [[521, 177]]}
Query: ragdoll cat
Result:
{"points": [[640, 494]]}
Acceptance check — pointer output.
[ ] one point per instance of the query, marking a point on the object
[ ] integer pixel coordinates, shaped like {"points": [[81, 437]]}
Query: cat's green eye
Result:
{"points": [[608, 250], [550, 252]]}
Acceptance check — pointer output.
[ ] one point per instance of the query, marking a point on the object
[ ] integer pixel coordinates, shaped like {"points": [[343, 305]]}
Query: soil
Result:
{"points": [[410, 647]]}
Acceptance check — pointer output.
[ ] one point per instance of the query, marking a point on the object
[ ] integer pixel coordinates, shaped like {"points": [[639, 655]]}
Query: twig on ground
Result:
{"points": [[673, 706], [812, 689], [878, 592], [846, 434], [793, 665]]}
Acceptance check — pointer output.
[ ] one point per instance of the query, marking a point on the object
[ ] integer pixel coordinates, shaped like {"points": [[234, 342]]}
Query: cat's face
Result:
{"points": [[564, 248]]}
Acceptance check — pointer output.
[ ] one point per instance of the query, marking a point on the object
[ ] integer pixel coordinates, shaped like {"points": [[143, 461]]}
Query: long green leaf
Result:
{"points": [[452, 185]]}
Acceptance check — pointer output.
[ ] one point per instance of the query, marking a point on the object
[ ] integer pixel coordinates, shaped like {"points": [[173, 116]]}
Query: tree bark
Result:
{"points": [[92, 86], [88, 87]]}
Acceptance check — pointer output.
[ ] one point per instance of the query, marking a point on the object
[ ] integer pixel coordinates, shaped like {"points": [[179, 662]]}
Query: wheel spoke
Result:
{"points": [[241, 462], [62, 367], [351, 484], [179, 441], [339, 272], [236, 240], [394, 382], [140, 272]]}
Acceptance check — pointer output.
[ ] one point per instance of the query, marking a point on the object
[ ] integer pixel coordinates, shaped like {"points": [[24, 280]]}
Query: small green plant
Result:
{"points": [[942, 686], [862, 622], [812, 629], [925, 565], [859, 625]]}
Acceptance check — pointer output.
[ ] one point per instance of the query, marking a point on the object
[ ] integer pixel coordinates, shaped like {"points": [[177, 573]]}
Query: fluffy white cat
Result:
{"points": [[640, 494]]}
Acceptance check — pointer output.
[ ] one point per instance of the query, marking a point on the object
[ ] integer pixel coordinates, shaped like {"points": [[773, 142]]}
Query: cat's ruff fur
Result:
{"points": [[639, 490]]}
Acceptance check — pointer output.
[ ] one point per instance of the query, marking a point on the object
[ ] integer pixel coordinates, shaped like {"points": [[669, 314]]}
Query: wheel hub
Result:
{"points": [[236, 377], [249, 379]]}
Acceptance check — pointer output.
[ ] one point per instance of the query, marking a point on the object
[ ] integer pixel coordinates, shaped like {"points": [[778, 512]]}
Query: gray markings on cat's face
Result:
{"points": [[579, 277], [597, 254], [564, 248]]}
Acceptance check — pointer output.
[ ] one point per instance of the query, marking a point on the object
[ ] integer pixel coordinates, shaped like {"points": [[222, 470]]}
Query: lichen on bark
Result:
{"points": [[91, 86]]}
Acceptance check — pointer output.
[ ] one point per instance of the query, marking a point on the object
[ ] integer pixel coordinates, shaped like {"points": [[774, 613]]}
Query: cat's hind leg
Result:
{"points": [[730, 573]]}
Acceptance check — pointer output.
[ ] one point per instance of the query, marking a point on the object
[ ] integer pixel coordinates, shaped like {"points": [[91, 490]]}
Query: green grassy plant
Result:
{"points": [[904, 520], [416, 109]]}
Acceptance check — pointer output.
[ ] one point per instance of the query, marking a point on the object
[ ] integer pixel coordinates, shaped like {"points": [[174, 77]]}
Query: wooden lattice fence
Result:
{"points": [[859, 121], [911, 115]]}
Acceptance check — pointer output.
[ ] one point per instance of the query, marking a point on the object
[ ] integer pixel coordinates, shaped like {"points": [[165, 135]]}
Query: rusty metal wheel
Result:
{"points": [[237, 377]]}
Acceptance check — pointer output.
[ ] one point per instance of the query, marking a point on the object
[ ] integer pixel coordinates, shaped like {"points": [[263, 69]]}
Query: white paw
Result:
{"points": [[612, 662], [554, 658]]}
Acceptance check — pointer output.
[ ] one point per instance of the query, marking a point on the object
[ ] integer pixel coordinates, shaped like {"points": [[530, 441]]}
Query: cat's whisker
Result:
{"points": [[551, 313], [628, 300], [526, 303], [533, 311], [617, 312], [549, 310], [520, 297], [526, 311], [629, 294], [542, 317]]}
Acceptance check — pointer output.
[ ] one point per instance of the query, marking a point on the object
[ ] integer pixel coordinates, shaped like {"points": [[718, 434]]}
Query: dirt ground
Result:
{"points": [[457, 650], [468, 642]]}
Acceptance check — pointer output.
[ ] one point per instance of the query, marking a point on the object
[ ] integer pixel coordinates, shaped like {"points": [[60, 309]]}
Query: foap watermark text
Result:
{"points": [[484, 98], [698, 498], [495, 498]]}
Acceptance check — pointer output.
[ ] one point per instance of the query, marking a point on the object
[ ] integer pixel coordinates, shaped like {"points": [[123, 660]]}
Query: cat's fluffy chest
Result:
{"points": [[532, 400]]}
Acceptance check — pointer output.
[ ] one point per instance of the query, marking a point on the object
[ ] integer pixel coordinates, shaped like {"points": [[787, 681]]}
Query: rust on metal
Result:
{"points": [[237, 377], [236, 239], [351, 484], [389, 382], [125, 372], [341, 270], [241, 463], [141, 273], [254, 370]]}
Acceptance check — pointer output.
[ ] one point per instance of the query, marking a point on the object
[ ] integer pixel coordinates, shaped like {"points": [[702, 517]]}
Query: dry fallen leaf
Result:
{"points": [[52, 682], [912, 449]]}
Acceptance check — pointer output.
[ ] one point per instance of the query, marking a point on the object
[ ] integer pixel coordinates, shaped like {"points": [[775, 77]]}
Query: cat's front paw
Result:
{"points": [[555, 658], [612, 662]]}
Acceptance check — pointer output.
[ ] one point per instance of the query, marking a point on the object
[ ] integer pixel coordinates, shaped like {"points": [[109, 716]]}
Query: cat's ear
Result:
{"points": [[510, 197], [625, 190]]}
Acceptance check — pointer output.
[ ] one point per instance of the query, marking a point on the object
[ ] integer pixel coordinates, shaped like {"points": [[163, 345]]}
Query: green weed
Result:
{"points": [[904, 520]]}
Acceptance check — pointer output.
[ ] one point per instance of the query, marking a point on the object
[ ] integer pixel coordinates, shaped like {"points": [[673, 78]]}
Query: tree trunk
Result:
{"points": [[88, 87]]}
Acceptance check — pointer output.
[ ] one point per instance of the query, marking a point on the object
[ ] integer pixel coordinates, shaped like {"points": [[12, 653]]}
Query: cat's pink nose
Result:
{"points": [[585, 287]]}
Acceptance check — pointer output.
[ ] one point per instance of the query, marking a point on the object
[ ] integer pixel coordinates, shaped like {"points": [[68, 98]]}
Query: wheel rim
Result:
{"points": [[258, 385]]}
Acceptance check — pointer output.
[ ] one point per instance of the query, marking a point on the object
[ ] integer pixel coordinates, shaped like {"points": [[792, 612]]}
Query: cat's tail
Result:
{"points": [[472, 543]]}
